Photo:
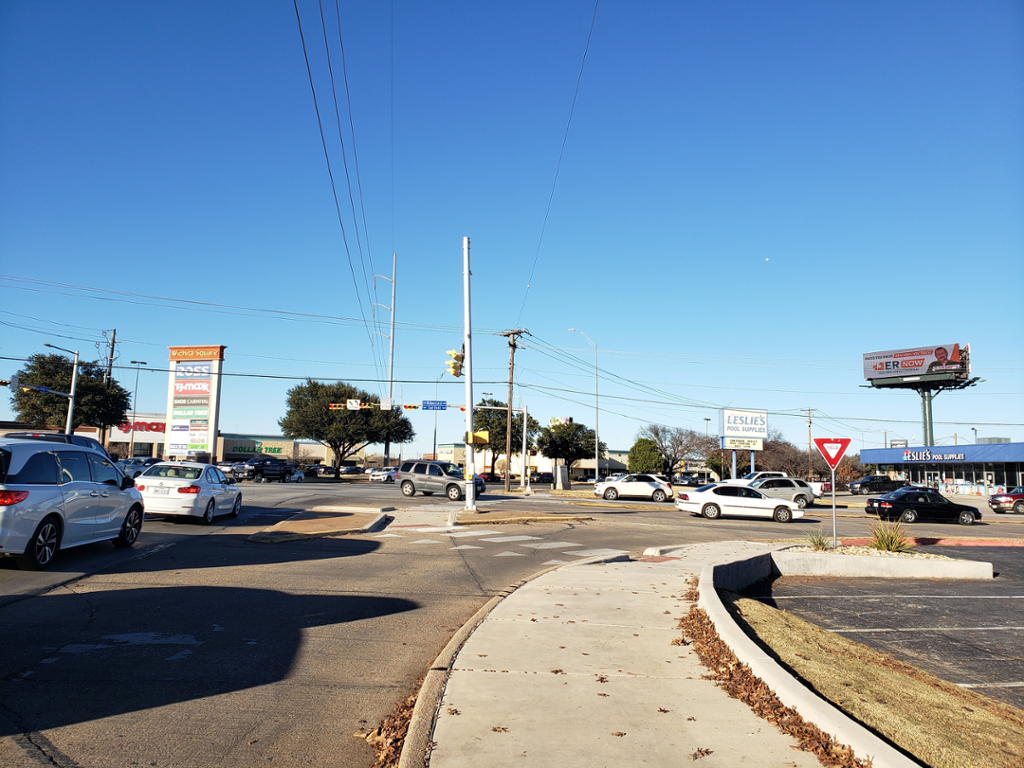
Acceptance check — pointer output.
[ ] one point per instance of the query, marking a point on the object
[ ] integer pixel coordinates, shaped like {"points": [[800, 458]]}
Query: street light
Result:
{"points": [[597, 442], [135, 407], [707, 421], [74, 384], [975, 431]]}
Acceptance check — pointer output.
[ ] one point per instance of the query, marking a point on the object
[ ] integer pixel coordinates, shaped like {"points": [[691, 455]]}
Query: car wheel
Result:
{"points": [[237, 506], [208, 514], [711, 512], [129, 528], [258, 478], [782, 515], [611, 494], [966, 518], [801, 501], [41, 547], [408, 489], [909, 516], [1019, 507], [454, 493], [299, 478], [658, 495]]}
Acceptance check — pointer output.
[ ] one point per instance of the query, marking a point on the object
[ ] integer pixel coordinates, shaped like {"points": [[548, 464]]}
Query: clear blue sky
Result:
{"points": [[751, 196]]}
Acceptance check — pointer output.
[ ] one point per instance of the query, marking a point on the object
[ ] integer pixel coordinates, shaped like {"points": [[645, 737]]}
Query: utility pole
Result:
{"points": [[391, 350], [106, 379], [809, 454], [467, 337], [511, 336]]}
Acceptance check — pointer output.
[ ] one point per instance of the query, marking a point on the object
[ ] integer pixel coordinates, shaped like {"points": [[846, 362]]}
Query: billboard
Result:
{"points": [[897, 363]]}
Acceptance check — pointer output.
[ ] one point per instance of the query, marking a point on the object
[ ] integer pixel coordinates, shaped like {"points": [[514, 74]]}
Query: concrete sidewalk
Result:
{"points": [[577, 668]]}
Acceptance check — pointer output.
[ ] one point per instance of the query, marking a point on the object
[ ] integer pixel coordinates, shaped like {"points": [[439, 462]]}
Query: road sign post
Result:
{"points": [[832, 450]]}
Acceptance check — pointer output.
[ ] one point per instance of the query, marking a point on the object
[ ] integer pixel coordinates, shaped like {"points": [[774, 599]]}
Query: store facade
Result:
{"points": [[969, 470]]}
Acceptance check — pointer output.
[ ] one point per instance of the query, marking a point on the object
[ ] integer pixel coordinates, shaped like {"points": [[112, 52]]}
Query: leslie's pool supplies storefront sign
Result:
{"points": [[193, 401]]}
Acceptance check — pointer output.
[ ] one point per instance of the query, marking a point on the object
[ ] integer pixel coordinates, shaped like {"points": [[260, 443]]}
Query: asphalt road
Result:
{"points": [[198, 647]]}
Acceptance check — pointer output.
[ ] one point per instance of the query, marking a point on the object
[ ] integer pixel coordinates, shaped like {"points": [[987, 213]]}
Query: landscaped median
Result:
{"points": [[849, 690], [324, 521]]}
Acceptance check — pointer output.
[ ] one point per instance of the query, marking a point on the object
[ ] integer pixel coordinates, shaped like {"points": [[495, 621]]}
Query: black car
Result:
{"points": [[543, 477], [908, 505], [875, 484]]}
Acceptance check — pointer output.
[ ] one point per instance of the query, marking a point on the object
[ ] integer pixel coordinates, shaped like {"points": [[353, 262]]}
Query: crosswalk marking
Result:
{"points": [[427, 541], [556, 562], [597, 552], [466, 546], [551, 545], [511, 554], [504, 539], [463, 534]]}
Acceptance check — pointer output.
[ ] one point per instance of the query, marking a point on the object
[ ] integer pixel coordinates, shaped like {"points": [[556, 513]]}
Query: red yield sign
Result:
{"points": [[832, 449]]}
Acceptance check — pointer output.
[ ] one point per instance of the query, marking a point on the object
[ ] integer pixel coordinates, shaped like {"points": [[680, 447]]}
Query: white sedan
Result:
{"points": [[639, 486], [383, 475], [189, 490], [713, 501]]}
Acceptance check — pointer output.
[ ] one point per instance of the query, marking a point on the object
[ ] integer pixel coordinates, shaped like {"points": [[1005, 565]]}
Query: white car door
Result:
{"points": [[756, 504], [81, 497]]}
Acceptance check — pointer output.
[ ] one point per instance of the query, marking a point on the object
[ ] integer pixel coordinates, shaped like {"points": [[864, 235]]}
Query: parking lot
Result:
{"points": [[970, 633]]}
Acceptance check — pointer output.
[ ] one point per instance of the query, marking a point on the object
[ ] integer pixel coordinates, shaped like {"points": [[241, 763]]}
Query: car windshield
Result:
{"points": [[174, 473], [1018, 489], [750, 476], [451, 470]]}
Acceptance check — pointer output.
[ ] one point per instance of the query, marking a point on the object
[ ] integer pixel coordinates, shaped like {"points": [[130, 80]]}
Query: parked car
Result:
{"points": [[326, 470], [492, 477], [187, 489], [1011, 500], [789, 488], [56, 496], [351, 470], [542, 477], [718, 499], [690, 481], [297, 475], [752, 477], [430, 477], [910, 504], [875, 484], [383, 475], [637, 486], [135, 467], [262, 469], [60, 437]]}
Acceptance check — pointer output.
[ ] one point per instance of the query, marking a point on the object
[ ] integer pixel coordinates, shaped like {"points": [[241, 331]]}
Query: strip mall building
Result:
{"points": [[974, 470]]}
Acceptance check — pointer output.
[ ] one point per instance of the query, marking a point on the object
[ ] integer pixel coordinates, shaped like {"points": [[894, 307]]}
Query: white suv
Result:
{"points": [[58, 495], [751, 477]]}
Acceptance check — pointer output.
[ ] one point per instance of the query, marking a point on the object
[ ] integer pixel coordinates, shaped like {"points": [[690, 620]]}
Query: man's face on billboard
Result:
{"points": [[941, 355]]}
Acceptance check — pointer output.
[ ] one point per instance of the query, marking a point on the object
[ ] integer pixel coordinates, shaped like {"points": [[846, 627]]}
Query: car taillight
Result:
{"points": [[885, 504], [189, 489], [683, 497], [140, 487], [7, 498]]}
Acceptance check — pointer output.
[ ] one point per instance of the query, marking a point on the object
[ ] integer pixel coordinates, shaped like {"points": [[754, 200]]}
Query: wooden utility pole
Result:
{"points": [[106, 383], [511, 336]]}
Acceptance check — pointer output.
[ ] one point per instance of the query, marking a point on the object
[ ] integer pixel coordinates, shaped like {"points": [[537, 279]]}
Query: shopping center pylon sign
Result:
{"points": [[832, 449]]}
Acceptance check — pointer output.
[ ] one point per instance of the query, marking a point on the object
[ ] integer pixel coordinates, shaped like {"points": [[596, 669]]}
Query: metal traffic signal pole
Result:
{"points": [[467, 336]]}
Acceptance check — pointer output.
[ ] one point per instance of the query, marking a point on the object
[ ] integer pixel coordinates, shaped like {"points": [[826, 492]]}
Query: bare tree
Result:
{"points": [[679, 445]]}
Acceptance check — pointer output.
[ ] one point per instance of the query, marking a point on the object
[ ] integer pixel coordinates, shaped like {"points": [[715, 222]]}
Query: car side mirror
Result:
{"points": [[127, 482], [230, 480]]}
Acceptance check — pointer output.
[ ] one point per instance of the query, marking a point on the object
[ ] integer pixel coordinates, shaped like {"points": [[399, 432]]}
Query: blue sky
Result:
{"points": [[750, 197]]}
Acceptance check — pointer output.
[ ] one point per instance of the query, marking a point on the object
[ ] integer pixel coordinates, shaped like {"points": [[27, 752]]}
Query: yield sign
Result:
{"points": [[832, 449]]}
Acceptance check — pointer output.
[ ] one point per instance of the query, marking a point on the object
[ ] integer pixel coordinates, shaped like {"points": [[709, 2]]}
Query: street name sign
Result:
{"points": [[435, 405]]}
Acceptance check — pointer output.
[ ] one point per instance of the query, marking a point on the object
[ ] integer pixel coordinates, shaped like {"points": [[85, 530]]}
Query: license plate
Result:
{"points": [[161, 491]]}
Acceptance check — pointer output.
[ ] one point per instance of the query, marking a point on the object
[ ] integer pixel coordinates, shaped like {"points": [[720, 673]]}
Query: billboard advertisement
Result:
{"points": [[193, 402], [942, 358], [740, 423]]}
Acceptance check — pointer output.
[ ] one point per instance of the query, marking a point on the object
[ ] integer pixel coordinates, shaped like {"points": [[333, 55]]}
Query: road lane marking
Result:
{"points": [[926, 629], [504, 539], [551, 545]]}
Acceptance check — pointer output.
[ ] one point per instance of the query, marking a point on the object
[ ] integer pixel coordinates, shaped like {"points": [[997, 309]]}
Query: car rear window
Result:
{"points": [[174, 473], [40, 469], [5, 462]]}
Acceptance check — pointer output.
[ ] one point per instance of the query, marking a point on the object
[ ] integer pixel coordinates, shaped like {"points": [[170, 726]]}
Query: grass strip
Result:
{"points": [[940, 724]]}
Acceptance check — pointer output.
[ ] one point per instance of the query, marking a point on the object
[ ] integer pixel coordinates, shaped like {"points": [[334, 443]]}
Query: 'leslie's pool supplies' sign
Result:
{"points": [[742, 423], [193, 401]]}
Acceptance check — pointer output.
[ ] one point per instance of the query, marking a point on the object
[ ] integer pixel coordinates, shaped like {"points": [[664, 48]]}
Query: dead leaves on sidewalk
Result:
{"points": [[739, 682]]}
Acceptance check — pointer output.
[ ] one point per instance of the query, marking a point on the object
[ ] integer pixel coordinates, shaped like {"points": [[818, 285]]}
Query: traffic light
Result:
{"points": [[336, 406], [455, 364], [410, 407]]}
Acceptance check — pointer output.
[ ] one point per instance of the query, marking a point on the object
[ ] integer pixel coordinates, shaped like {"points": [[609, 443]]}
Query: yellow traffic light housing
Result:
{"points": [[455, 364]]}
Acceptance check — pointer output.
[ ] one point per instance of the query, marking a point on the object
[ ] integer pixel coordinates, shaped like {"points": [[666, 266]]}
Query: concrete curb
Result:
{"points": [[790, 691], [867, 566], [270, 536], [421, 724]]}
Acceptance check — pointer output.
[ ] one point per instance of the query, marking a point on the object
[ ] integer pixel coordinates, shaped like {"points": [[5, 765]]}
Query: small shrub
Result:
{"points": [[890, 538], [818, 540]]}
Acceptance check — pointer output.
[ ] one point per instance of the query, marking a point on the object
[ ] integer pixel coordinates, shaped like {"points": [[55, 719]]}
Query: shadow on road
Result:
{"points": [[71, 658]]}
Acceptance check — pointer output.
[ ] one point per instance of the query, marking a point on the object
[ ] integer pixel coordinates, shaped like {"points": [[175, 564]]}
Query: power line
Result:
{"points": [[558, 167]]}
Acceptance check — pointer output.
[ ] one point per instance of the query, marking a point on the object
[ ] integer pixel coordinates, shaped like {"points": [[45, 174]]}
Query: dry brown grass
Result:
{"points": [[939, 723]]}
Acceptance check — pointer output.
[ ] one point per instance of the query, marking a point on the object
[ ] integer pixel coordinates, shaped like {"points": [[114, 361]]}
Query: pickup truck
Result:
{"points": [[263, 469]]}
